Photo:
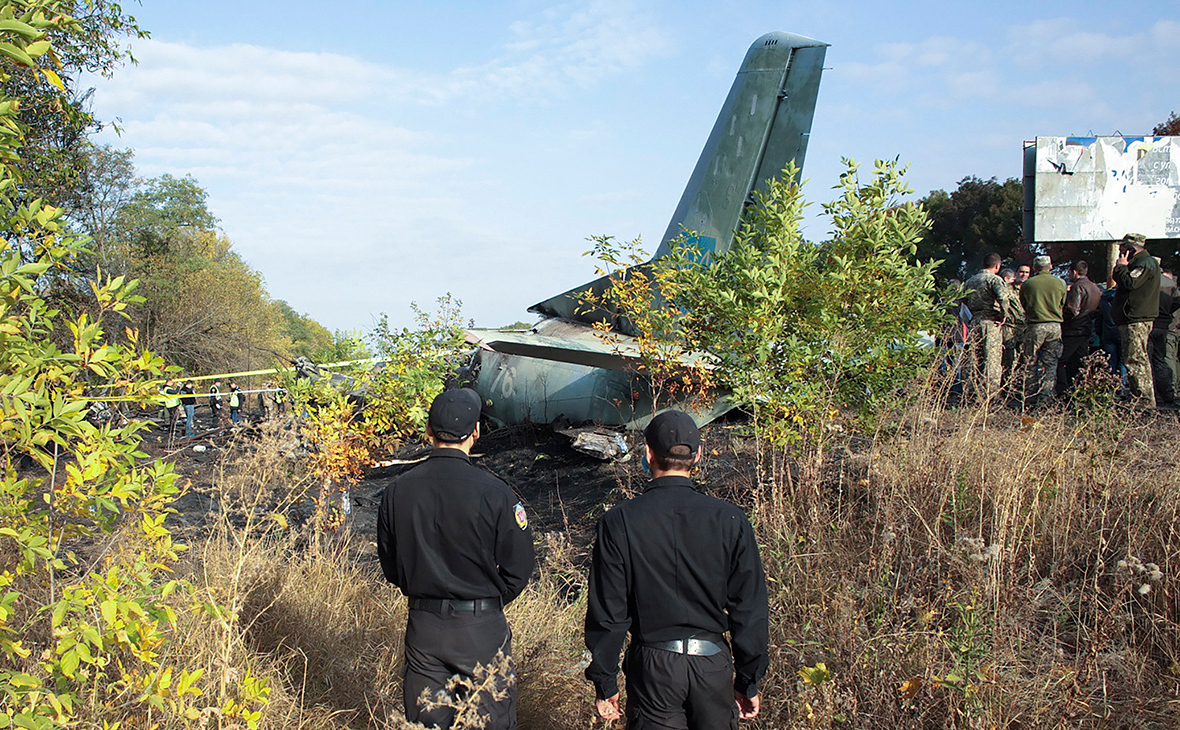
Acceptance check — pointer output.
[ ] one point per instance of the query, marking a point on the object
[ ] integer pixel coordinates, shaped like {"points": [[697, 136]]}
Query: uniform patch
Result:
{"points": [[1136, 273], [521, 518]]}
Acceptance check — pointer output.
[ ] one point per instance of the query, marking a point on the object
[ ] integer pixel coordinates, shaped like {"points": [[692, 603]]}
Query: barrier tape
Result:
{"points": [[249, 373], [161, 397]]}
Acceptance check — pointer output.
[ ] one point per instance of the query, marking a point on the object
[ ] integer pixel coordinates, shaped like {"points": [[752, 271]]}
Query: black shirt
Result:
{"points": [[187, 396], [671, 564], [448, 529]]}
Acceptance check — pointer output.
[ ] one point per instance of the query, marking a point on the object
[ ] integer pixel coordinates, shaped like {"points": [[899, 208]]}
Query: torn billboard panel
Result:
{"points": [[1099, 188]]}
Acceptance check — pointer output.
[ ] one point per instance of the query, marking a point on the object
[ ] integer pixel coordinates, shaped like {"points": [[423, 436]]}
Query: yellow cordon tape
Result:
{"points": [[225, 393], [161, 397]]}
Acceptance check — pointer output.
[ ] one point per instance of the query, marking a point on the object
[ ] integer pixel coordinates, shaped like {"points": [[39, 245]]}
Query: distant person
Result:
{"points": [[215, 404], [990, 306], [189, 400], [1043, 297], [1013, 327], [171, 392], [456, 541], [1157, 344], [1173, 342], [1135, 307], [1077, 326], [266, 401], [676, 569], [1023, 272], [1109, 338], [236, 399]]}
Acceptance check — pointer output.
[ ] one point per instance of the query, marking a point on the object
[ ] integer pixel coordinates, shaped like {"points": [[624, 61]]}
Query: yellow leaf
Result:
{"points": [[909, 689], [52, 77]]}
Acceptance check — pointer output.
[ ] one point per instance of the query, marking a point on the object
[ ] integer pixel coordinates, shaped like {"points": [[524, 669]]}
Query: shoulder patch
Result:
{"points": [[1136, 273], [521, 518]]}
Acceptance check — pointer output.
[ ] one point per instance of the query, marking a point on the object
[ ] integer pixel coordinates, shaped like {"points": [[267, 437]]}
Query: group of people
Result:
{"points": [[673, 567], [1029, 321], [271, 402]]}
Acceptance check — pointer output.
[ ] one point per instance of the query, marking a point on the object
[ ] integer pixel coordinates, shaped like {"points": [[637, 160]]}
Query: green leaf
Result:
{"points": [[110, 611], [20, 679], [16, 26], [69, 663], [16, 54], [37, 49]]}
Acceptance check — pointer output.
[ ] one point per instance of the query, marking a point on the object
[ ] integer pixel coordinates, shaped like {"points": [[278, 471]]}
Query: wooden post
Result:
{"points": [[1111, 257]]}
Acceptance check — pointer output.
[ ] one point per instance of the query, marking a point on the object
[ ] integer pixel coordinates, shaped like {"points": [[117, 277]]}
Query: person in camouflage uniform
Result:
{"points": [[1172, 351], [1013, 326], [990, 306], [1043, 298], [1135, 307]]}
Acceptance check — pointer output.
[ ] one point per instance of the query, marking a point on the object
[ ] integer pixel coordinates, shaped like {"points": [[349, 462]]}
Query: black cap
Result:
{"points": [[669, 430], [454, 413]]}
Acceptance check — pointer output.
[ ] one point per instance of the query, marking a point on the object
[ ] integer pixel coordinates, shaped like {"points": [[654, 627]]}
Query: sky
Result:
{"points": [[363, 155]]}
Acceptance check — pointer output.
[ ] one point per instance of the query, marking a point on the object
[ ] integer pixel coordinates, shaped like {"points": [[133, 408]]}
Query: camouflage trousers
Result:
{"points": [[1172, 357], [1134, 336], [985, 347], [1042, 350]]}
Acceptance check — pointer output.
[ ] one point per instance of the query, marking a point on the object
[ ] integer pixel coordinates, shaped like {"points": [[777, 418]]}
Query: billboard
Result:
{"points": [[1099, 188]]}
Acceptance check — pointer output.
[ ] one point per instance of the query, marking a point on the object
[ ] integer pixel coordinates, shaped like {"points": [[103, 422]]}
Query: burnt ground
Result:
{"points": [[563, 490]]}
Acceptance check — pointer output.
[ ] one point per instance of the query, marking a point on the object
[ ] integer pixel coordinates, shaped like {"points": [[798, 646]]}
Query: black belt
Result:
{"points": [[441, 605], [691, 647]]}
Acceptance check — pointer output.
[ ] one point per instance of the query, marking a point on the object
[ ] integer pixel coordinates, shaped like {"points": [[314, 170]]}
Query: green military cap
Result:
{"points": [[1136, 238]]}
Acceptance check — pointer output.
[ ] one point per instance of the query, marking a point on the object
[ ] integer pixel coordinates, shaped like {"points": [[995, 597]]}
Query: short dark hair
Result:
{"points": [[683, 458], [992, 259], [1080, 266], [447, 437]]}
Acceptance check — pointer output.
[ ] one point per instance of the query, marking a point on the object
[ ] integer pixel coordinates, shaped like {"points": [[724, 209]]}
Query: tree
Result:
{"points": [[978, 217], [98, 627], [798, 328], [1168, 128], [205, 309], [306, 337], [106, 186], [161, 213], [56, 117]]}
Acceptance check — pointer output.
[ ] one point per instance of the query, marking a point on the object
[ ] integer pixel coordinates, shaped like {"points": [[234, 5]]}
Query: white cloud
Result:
{"points": [[345, 181], [1066, 41]]}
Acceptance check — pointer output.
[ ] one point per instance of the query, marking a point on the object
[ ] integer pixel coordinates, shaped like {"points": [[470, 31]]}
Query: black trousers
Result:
{"points": [[1074, 349], [666, 690], [1161, 374], [441, 646]]}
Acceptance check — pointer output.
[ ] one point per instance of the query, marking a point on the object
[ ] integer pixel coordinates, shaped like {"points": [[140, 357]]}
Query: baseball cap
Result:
{"points": [[669, 430], [455, 413]]}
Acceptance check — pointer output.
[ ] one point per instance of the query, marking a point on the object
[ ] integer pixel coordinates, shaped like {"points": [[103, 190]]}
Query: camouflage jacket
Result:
{"points": [[987, 297]]}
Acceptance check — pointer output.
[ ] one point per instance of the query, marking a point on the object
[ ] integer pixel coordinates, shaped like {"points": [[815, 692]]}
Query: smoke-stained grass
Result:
{"points": [[959, 568]]}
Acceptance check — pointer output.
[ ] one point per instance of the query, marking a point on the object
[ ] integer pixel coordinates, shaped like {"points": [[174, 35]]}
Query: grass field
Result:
{"points": [[958, 568]]}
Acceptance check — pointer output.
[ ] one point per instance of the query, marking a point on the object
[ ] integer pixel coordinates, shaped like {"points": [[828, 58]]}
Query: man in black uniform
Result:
{"points": [[677, 569], [456, 541]]}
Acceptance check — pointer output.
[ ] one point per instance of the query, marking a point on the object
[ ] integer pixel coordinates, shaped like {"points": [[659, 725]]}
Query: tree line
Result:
{"points": [[198, 304]]}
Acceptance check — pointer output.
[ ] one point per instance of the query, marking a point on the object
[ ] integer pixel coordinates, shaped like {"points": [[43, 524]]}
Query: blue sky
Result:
{"points": [[364, 155]]}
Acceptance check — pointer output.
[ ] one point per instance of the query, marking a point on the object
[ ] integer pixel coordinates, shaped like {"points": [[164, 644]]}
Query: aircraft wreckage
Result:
{"points": [[563, 369]]}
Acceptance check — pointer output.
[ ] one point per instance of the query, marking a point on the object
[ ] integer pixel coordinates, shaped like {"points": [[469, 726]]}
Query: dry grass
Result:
{"points": [[977, 569], [967, 568]]}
